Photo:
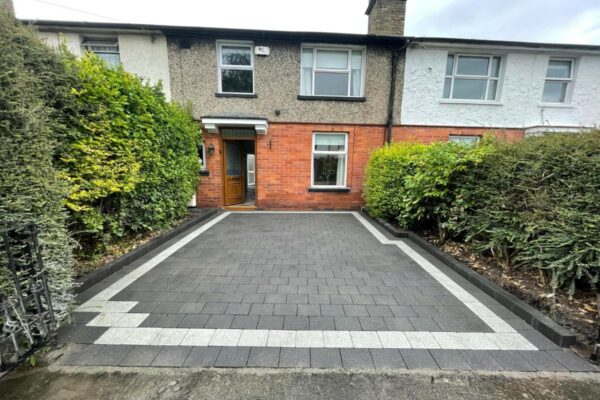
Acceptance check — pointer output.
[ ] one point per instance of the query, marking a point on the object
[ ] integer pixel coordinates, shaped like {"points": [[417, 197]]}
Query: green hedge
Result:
{"points": [[412, 184], [129, 156], [531, 204], [32, 80]]}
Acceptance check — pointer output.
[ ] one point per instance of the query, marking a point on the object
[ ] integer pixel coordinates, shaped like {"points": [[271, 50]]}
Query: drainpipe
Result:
{"points": [[394, 74]]}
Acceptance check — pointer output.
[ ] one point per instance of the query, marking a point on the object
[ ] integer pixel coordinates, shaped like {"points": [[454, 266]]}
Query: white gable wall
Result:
{"points": [[519, 101], [142, 54]]}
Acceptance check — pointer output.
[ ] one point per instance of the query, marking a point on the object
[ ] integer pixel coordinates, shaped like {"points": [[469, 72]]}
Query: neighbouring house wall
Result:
{"points": [[430, 134], [142, 54], [519, 104], [194, 77]]}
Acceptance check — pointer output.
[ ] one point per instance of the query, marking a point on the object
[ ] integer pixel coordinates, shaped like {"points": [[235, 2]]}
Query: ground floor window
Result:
{"points": [[329, 154]]}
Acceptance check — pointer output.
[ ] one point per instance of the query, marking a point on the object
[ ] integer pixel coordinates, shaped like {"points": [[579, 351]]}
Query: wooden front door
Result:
{"points": [[234, 173]]}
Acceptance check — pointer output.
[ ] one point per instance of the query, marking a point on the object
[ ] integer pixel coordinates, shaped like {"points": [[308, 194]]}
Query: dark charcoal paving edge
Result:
{"points": [[548, 327]]}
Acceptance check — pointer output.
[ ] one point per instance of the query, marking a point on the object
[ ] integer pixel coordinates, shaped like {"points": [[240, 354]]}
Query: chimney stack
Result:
{"points": [[386, 17]]}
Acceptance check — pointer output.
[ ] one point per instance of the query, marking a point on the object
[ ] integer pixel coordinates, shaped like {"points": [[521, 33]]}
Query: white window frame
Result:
{"points": [[348, 49], [568, 80], [203, 151], [89, 41], [487, 77], [220, 65], [312, 160]]}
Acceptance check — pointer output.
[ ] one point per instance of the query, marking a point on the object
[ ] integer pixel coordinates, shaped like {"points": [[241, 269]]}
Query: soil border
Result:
{"points": [[548, 327]]}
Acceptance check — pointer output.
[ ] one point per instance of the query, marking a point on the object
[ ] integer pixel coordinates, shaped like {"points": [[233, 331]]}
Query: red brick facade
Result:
{"points": [[284, 156]]}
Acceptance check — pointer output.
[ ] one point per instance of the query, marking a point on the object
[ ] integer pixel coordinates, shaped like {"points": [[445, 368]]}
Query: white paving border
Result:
{"points": [[124, 327]]}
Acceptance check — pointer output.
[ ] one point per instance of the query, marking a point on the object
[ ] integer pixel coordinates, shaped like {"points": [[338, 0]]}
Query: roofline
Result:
{"points": [[370, 6], [229, 33], [505, 43]]}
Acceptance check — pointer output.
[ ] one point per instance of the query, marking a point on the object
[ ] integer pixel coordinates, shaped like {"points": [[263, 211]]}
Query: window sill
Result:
{"points": [[204, 173], [556, 105], [332, 98], [329, 189], [238, 95], [471, 102]]}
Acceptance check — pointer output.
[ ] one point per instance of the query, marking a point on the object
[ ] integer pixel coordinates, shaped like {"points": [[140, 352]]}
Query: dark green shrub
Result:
{"points": [[32, 81], [537, 203], [130, 157], [413, 183]]}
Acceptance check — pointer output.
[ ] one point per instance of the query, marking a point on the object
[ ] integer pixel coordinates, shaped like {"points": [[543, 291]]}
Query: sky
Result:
{"points": [[554, 21]]}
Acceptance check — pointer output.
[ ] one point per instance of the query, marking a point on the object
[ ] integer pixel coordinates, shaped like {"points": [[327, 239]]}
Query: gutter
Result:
{"points": [[393, 77]]}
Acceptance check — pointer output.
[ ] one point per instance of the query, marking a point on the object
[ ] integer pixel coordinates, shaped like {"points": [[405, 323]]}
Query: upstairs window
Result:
{"points": [[332, 71], [559, 76], [107, 48], [472, 77], [236, 68]]}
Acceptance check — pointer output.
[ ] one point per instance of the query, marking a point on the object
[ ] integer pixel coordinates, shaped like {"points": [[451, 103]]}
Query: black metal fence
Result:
{"points": [[26, 313]]}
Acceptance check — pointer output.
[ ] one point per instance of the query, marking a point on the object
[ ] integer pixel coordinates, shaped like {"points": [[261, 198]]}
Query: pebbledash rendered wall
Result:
{"points": [[193, 74], [141, 53], [520, 100]]}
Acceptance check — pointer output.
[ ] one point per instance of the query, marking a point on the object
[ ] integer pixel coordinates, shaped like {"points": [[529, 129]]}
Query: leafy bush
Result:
{"points": [[413, 183], [537, 204], [130, 157], [32, 80]]}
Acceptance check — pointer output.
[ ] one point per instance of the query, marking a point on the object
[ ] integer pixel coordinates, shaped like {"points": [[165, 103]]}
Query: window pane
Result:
{"points": [[472, 66], [356, 59], [332, 59], [329, 170], [331, 84], [447, 85], [496, 67], [450, 65], [330, 142], [555, 92], [234, 159], [110, 58], [233, 55], [201, 151], [492, 88], [356, 83], [307, 81], [469, 89], [307, 58], [559, 69], [236, 81]]}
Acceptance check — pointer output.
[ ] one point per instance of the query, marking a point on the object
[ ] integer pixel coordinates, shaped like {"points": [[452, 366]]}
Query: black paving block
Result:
{"points": [[418, 359], [171, 356], [543, 361], [81, 354], [321, 323], [270, 322], [193, 321], [356, 358], [245, 322], [202, 357], [294, 358], [264, 357], [572, 361], [140, 356], [512, 360], [481, 360], [219, 321], [80, 334], [233, 357], [450, 359], [325, 358], [387, 358], [347, 323]]}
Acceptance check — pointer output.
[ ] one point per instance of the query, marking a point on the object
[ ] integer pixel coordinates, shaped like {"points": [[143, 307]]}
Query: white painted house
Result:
{"points": [[142, 51], [490, 84]]}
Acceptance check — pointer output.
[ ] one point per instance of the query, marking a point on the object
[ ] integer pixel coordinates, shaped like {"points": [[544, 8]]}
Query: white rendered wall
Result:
{"points": [[142, 54], [519, 102]]}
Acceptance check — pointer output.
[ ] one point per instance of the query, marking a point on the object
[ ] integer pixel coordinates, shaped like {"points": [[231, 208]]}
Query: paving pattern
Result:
{"points": [[316, 290]]}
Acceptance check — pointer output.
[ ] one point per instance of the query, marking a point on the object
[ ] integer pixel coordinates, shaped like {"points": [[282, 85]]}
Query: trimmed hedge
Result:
{"points": [[129, 156], [531, 204], [32, 80]]}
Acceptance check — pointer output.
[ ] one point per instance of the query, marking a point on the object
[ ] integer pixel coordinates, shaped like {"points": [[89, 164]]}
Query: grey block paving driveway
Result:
{"points": [[319, 290]]}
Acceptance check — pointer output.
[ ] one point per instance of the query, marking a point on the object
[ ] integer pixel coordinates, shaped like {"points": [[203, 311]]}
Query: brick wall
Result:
{"points": [[387, 17], [284, 156]]}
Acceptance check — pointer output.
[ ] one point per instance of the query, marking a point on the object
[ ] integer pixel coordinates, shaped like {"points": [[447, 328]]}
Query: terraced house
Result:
{"points": [[290, 118]]}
